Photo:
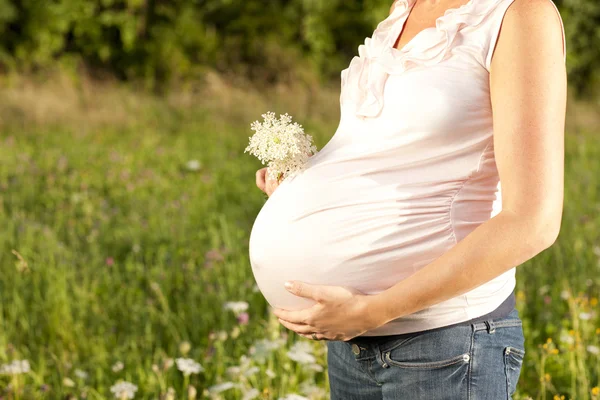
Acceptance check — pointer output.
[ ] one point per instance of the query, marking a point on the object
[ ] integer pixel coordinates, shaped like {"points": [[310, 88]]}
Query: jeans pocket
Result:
{"points": [[431, 350], [460, 358], [513, 362]]}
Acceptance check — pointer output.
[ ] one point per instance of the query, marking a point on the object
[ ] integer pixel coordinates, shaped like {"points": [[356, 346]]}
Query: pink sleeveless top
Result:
{"points": [[409, 172]]}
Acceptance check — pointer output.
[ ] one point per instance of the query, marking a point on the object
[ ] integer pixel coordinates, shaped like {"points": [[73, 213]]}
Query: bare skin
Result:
{"points": [[264, 183], [528, 95]]}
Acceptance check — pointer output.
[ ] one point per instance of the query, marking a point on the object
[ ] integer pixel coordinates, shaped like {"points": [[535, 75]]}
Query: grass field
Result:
{"points": [[123, 251]]}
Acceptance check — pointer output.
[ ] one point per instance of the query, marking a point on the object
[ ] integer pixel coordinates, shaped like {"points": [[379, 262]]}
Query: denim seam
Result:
{"points": [[425, 365], [471, 363], [507, 379], [370, 372]]}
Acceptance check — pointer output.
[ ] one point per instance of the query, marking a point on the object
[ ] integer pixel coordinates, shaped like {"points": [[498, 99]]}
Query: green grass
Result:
{"points": [[113, 249]]}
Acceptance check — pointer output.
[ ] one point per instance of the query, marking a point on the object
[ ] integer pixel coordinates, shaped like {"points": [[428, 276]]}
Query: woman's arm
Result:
{"points": [[528, 95]]}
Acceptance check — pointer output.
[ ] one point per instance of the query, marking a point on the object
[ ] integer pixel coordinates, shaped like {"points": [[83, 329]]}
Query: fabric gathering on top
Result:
{"points": [[409, 172]]}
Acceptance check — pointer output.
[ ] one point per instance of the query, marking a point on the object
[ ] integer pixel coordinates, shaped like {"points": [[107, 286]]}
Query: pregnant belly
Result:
{"points": [[334, 228]]}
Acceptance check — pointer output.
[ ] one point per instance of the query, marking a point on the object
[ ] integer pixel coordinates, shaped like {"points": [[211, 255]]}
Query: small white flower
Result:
{"points": [[117, 366], [245, 368], [193, 165], [294, 396], [564, 294], [68, 382], [262, 348], [16, 367], [315, 367], [236, 306], [311, 390], [222, 336], [593, 349], [221, 387], [585, 316], [302, 352], [188, 366], [270, 373], [597, 250], [251, 394], [80, 374], [124, 390], [566, 338]]}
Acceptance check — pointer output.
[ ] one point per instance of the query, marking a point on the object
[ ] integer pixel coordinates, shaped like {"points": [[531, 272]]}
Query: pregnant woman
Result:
{"points": [[402, 235]]}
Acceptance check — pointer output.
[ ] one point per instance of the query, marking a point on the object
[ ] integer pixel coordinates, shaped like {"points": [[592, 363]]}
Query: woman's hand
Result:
{"points": [[264, 183], [341, 312]]}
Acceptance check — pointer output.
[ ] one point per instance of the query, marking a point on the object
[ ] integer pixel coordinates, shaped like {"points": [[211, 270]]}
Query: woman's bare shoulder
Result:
{"points": [[533, 22]]}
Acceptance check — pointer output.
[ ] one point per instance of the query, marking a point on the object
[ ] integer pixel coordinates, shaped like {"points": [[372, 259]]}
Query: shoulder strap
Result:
{"points": [[496, 23]]}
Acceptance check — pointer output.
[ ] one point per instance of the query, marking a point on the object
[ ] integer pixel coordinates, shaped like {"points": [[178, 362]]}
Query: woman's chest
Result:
{"points": [[437, 99]]}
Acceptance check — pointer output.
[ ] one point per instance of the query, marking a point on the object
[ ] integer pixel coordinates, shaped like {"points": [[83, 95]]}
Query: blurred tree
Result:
{"points": [[582, 29], [278, 40]]}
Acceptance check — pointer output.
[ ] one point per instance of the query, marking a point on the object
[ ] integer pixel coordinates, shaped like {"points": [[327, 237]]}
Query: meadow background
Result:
{"points": [[126, 200]]}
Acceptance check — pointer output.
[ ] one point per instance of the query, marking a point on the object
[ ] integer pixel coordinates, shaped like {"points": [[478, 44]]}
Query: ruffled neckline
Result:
{"points": [[364, 79]]}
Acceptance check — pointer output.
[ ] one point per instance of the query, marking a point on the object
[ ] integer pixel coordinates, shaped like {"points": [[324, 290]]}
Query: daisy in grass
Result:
{"points": [[281, 145]]}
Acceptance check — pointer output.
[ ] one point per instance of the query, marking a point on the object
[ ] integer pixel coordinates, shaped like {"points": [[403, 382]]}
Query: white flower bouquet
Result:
{"points": [[280, 144]]}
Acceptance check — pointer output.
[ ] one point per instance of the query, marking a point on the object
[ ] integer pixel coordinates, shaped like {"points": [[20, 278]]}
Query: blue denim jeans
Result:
{"points": [[478, 361]]}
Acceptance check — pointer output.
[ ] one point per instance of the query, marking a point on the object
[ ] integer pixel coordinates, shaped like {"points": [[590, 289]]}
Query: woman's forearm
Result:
{"points": [[499, 244]]}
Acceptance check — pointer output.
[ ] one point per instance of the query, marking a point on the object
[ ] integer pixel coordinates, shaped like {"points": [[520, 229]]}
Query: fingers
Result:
{"points": [[299, 317], [265, 183], [271, 185], [260, 178], [296, 327]]}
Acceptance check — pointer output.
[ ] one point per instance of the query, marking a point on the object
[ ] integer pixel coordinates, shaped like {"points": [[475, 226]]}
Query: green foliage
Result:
{"points": [[582, 29], [282, 40]]}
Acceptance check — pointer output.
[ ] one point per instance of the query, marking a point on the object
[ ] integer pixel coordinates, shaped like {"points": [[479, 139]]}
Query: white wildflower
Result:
{"points": [[251, 394], [564, 294], [302, 352], [16, 367], [311, 390], [593, 349], [597, 250], [236, 306], [293, 396], [315, 367], [566, 338], [221, 387], [68, 382], [193, 165], [281, 144], [124, 390], [585, 316], [117, 366], [245, 368], [80, 374], [188, 366], [269, 372], [262, 348]]}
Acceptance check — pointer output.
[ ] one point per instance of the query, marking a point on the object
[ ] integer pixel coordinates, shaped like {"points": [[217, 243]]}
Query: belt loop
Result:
{"points": [[491, 327]]}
